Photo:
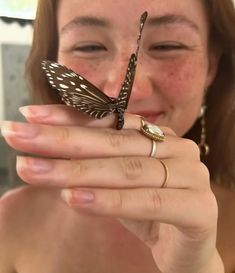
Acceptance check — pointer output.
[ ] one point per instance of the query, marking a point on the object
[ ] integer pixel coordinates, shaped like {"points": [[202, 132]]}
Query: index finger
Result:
{"points": [[59, 114]]}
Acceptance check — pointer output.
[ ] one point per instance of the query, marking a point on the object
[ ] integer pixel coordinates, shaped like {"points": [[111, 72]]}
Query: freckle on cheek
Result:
{"points": [[172, 74], [179, 80], [84, 70]]}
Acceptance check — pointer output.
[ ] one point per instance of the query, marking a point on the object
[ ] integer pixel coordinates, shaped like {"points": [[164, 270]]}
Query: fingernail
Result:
{"points": [[77, 196], [34, 111], [66, 195], [35, 165], [17, 129]]}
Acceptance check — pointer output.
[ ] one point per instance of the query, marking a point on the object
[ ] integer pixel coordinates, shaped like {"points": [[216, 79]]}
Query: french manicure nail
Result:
{"points": [[77, 196], [35, 165], [66, 195], [34, 111], [17, 129]]}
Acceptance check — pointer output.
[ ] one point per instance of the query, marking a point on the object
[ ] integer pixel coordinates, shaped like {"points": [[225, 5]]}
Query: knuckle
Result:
{"points": [[77, 169], [132, 168], [212, 203], [63, 135], [208, 220], [204, 170], [117, 201], [213, 206], [204, 174], [200, 179], [191, 147], [117, 139], [155, 200]]}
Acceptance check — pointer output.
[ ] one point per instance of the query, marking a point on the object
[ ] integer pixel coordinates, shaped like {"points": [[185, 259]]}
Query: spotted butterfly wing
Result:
{"points": [[78, 92]]}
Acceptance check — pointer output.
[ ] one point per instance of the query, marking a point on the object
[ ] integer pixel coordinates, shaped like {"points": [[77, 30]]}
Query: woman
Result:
{"points": [[126, 211]]}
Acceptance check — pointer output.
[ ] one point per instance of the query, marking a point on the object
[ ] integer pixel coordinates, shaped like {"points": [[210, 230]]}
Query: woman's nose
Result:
{"points": [[141, 88]]}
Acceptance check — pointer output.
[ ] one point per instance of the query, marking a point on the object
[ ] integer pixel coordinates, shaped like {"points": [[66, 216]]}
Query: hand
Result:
{"points": [[109, 172]]}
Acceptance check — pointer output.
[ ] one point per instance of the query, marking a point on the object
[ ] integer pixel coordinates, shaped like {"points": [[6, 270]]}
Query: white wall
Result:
{"points": [[16, 34]]}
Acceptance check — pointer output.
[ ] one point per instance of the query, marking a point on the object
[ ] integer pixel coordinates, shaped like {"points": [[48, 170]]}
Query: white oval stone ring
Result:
{"points": [[151, 131]]}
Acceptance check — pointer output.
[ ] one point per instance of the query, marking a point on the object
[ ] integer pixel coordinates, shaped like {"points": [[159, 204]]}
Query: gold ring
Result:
{"points": [[166, 174], [154, 149], [152, 131]]}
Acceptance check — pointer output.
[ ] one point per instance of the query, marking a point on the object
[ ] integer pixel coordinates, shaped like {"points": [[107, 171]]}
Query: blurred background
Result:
{"points": [[16, 28]]}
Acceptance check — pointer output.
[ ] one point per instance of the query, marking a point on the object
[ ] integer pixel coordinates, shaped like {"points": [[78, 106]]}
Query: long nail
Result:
{"points": [[17, 129], [76, 197], [34, 165], [35, 111]]}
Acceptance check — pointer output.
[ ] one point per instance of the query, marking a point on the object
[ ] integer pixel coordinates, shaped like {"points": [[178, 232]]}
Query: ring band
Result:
{"points": [[164, 184], [151, 131], [154, 148]]}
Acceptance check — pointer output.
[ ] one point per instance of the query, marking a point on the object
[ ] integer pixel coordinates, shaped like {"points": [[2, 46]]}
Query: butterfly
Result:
{"points": [[81, 94]]}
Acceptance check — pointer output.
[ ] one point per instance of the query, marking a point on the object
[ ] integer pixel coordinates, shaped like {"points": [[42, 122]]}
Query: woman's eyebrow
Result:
{"points": [[169, 19], [85, 21], [156, 21]]}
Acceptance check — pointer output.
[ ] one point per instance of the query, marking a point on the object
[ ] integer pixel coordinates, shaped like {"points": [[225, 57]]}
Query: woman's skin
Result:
{"points": [[174, 66], [132, 225]]}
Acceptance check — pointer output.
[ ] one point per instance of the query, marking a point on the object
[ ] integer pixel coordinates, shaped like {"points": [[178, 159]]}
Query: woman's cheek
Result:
{"points": [[90, 70], [182, 80], [182, 87]]}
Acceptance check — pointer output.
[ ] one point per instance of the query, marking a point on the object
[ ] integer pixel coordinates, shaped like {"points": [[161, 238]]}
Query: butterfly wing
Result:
{"points": [[125, 92], [126, 88], [78, 92]]}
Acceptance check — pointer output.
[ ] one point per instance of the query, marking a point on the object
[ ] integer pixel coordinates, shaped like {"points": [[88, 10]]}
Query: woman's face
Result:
{"points": [[175, 66]]}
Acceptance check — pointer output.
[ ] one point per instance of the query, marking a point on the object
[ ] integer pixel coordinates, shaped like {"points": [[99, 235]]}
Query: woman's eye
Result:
{"points": [[90, 48], [167, 47]]}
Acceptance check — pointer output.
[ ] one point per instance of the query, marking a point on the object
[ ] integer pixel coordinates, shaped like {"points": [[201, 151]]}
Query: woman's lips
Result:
{"points": [[152, 117]]}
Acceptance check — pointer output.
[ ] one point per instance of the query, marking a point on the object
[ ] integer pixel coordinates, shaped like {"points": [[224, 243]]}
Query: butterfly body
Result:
{"points": [[77, 92]]}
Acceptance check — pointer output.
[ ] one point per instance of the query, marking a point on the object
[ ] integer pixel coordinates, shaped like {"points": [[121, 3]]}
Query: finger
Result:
{"points": [[132, 172], [83, 142], [184, 208], [59, 114]]}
